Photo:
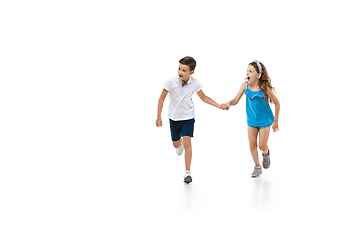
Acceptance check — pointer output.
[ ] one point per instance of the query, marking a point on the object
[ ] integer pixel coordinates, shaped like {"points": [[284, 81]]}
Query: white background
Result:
{"points": [[81, 157]]}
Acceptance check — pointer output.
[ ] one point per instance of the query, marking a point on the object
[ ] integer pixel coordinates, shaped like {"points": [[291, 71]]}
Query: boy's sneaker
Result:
{"points": [[257, 172], [187, 177], [180, 149], [266, 160]]}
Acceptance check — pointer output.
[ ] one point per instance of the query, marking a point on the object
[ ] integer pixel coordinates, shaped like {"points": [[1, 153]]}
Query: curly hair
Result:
{"points": [[264, 81]]}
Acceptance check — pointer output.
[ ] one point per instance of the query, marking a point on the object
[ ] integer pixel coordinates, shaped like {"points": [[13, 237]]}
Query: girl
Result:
{"points": [[259, 92]]}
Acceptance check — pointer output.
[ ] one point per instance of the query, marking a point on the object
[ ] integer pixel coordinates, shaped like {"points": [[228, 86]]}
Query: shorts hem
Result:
{"points": [[181, 137], [260, 127]]}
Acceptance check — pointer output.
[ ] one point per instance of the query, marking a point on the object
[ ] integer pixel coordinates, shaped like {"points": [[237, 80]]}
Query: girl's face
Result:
{"points": [[252, 75]]}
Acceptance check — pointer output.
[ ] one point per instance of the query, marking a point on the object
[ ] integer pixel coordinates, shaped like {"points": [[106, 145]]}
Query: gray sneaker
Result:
{"points": [[257, 172], [266, 160]]}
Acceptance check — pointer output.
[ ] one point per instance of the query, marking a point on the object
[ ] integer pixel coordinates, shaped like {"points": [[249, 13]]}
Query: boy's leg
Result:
{"points": [[252, 134], [188, 151], [176, 144], [263, 139], [175, 129], [188, 133]]}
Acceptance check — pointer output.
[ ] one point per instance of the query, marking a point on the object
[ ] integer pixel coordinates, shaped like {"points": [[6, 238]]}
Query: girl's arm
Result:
{"points": [[238, 95], [160, 107], [206, 99], [277, 109]]}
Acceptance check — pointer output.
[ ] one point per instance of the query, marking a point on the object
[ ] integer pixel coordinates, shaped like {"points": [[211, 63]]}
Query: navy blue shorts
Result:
{"points": [[181, 128]]}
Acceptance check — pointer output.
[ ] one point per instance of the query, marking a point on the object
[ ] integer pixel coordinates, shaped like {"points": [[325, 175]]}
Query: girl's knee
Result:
{"points": [[253, 146], [263, 147]]}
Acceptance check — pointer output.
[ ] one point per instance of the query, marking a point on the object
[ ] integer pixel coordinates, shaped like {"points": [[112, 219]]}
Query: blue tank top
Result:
{"points": [[258, 111]]}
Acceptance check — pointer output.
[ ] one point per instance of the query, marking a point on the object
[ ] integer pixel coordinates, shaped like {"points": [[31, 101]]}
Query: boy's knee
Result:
{"points": [[176, 144], [187, 144]]}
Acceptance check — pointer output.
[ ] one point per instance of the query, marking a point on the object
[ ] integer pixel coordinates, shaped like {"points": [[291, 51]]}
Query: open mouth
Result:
{"points": [[248, 78], [181, 76]]}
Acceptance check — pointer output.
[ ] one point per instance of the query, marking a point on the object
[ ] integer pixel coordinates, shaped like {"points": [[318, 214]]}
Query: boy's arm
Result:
{"points": [[206, 99], [160, 107]]}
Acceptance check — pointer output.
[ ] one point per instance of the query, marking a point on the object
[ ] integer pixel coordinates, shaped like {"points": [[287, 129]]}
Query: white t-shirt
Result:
{"points": [[181, 105]]}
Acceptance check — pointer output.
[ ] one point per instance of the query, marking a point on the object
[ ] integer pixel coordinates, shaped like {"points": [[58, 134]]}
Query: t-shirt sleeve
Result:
{"points": [[198, 87], [167, 85]]}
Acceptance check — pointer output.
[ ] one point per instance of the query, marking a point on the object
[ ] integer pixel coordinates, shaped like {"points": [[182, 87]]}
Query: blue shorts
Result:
{"points": [[262, 127], [181, 128]]}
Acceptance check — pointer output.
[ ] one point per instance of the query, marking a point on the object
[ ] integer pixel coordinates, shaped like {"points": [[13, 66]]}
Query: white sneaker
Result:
{"points": [[187, 177], [180, 149]]}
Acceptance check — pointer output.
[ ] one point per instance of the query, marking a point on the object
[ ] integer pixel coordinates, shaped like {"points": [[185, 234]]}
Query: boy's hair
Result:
{"points": [[188, 61], [264, 81]]}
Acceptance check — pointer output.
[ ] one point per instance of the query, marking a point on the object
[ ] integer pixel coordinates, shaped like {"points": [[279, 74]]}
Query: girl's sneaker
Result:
{"points": [[180, 149], [266, 160], [187, 177], [257, 172]]}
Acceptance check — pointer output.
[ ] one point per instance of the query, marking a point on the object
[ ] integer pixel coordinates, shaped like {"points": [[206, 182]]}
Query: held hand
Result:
{"points": [[275, 126], [225, 106], [158, 122]]}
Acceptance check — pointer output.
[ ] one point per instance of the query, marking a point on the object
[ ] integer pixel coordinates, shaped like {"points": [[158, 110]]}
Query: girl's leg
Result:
{"points": [[188, 151], [263, 139], [252, 134]]}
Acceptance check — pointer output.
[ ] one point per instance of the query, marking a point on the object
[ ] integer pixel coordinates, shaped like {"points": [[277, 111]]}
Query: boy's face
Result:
{"points": [[184, 72], [252, 75]]}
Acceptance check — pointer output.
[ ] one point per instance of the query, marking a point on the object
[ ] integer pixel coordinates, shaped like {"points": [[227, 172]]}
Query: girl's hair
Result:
{"points": [[264, 81]]}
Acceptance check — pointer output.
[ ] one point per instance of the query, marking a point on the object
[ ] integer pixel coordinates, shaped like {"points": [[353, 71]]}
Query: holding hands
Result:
{"points": [[225, 106]]}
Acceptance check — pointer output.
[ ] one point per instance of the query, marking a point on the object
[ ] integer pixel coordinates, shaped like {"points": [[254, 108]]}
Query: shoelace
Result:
{"points": [[256, 170]]}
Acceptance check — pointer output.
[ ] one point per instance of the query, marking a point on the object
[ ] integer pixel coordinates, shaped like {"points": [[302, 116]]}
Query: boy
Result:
{"points": [[181, 109]]}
